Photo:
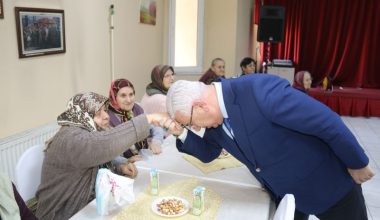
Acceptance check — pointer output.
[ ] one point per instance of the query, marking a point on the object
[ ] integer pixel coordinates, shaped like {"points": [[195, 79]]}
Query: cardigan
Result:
{"points": [[72, 161]]}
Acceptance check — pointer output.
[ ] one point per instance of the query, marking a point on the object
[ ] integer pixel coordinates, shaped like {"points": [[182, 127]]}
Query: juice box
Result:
{"points": [[154, 181], [198, 200]]}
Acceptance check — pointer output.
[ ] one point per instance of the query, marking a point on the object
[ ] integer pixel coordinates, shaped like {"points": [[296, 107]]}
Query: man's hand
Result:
{"points": [[129, 169], [361, 175], [155, 146], [173, 127], [163, 120]]}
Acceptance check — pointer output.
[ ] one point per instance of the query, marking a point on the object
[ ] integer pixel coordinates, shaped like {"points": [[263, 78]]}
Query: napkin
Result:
{"points": [[218, 164]]}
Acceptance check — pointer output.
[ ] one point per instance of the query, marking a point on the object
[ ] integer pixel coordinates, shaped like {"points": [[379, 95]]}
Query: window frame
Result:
{"points": [[197, 69]]}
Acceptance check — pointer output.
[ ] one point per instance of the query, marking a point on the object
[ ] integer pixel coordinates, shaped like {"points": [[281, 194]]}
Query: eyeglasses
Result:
{"points": [[188, 126]]}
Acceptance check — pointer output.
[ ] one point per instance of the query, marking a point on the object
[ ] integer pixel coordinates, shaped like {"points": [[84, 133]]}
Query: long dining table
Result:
{"points": [[242, 196]]}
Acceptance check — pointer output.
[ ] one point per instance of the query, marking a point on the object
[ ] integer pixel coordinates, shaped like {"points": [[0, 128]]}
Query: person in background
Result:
{"points": [[12, 206], [154, 99], [291, 143], [215, 72], [84, 143], [123, 108], [248, 66], [327, 85], [302, 81]]}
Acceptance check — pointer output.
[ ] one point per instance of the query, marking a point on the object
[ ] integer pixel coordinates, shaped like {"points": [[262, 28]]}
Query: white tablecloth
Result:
{"points": [[243, 198], [172, 161]]}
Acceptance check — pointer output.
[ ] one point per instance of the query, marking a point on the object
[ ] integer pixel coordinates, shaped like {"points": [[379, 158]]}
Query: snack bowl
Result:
{"points": [[170, 206]]}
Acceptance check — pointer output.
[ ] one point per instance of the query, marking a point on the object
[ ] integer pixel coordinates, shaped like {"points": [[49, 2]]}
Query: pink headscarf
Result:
{"points": [[114, 89]]}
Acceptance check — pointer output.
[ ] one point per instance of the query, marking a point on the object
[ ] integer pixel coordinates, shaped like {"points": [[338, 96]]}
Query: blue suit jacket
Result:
{"points": [[299, 144]]}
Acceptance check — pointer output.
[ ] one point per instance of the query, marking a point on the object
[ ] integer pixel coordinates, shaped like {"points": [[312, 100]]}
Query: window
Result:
{"points": [[186, 35]]}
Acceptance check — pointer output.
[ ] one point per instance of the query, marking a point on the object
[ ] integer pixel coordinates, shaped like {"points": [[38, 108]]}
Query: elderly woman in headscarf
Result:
{"points": [[154, 100], [123, 108], [302, 81], [83, 144], [215, 72]]}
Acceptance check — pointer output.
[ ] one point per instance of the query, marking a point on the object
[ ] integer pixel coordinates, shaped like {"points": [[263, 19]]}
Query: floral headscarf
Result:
{"points": [[81, 111], [125, 115], [114, 89], [157, 77]]}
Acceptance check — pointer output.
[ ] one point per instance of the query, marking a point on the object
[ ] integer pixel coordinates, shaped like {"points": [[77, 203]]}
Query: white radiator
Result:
{"points": [[12, 147]]}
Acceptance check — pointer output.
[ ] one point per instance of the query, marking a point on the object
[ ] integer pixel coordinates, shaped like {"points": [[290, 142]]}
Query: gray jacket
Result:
{"points": [[72, 161]]}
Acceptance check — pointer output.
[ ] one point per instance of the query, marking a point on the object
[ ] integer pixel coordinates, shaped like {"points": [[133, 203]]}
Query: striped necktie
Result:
{"points": [[227, 123]]}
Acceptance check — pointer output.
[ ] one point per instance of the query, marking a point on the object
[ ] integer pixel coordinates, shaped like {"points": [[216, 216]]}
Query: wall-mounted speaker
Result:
{"points": [[271, 23]]}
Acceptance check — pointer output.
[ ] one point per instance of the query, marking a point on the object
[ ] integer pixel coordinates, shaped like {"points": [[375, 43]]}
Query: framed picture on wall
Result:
{"points": [[1, 9], [40, 31], [148, 10]]}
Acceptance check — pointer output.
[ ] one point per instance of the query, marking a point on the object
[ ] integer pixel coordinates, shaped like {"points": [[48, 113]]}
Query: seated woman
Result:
{"points": [[123, 108], [12, 206], [215, 72], [302, 81], [154, 100], [84, 143], [327, 84], [248, 66]]}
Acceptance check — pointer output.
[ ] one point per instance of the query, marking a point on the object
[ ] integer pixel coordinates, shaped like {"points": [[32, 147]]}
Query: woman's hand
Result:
{"points": [[135, 158], [163, 120], [129, 169], [158, 119], [173, 127], [155, 146]]}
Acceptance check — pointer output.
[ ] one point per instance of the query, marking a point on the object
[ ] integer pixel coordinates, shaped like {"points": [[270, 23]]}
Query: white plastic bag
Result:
{"points": [[146, 154], [112, 190]]}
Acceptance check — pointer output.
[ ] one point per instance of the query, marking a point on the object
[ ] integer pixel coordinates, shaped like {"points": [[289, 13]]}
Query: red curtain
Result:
{"points": [[337, 38]]}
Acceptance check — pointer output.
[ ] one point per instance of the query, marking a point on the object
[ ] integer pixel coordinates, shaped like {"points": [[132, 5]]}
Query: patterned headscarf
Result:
{"points": [[81, 111], [157, 77], [125, 115], [114, 89], [298, 80]]}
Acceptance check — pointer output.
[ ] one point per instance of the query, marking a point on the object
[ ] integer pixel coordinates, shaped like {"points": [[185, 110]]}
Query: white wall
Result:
{"points": [[227, 32], [220, 33], [33, 91], [244, 11], [138, 47]]}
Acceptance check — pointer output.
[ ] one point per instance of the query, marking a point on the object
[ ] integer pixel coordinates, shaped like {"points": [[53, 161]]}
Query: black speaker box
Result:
{"points": [[271, 24]]}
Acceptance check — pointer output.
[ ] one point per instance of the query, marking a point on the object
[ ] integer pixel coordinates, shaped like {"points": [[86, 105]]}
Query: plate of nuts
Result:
{"points": [[170, 206]]}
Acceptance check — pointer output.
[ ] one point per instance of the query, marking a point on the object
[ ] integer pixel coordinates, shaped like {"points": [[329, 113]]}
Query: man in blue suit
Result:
{"points": [[291, 143]]}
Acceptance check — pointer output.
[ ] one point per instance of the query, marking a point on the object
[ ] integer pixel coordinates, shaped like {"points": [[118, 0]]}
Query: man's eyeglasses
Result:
{"points": [[188, 126]]}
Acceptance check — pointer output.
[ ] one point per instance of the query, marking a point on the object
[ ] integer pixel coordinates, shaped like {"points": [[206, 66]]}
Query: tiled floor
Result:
{"points": [[367, 131]]}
